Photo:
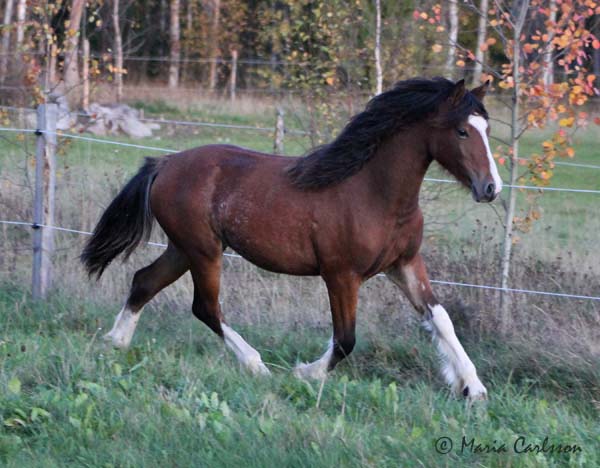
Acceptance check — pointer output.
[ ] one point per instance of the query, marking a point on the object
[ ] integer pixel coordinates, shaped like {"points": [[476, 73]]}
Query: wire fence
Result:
{"points": [[223, 125], [248, 127], [172, 151], [379, 275]]}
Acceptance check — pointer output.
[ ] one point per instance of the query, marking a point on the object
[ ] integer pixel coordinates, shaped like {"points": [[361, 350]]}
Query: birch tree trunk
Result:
{"points": [[548, 60], [519, 16], [378, 71], [8, 12], [71, 70], [452, 36], [214, 46], [481, 38], [21, 15], [174, 45], [118, 52], [85, 101]]}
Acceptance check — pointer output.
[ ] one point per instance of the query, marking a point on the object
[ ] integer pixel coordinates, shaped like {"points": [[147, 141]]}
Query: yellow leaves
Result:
{"points": [[483, 47], [596, 44], [547, 145], [566, 122], [490, 41], [460, 63], [437, 48], [570, 152], [507, 83]]}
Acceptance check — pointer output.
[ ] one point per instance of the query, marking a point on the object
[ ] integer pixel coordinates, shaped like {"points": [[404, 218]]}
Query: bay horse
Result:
{"points": [[346, 211]]}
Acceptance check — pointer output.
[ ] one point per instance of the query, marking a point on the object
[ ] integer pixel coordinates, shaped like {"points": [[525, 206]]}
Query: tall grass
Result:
{"points": [[177, 398]]}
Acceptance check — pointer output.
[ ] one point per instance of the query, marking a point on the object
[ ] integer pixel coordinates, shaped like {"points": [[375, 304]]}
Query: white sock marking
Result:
{"points": [[458, 369], [479, 123], [124, 327], [318, 369], [245, 353]]}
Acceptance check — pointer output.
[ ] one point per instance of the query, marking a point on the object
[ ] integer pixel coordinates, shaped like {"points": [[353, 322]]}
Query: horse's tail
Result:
{"points": [[125, 223]]}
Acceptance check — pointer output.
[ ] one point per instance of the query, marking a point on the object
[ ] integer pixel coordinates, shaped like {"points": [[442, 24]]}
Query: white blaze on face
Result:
{"points": [[480, 124]]}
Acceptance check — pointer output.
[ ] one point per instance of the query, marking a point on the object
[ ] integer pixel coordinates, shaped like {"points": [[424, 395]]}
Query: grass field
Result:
{"points": [[177, 398]]}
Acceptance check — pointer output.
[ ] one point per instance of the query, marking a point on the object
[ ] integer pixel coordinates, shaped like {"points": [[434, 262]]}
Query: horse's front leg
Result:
{"points": [[343, 298], [458, 369]]}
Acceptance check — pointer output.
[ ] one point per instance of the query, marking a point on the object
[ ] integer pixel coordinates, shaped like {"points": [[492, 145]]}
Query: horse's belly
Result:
{"points": [[274, 254]]}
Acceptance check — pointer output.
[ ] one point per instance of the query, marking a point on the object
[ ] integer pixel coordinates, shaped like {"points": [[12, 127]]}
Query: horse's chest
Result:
{"points": [[402, 240]]}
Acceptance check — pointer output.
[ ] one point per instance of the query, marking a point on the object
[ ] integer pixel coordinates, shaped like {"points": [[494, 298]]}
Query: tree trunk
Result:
{"points": [[452, 37], [233, 76], [21, 15], [214, 46], [187, 36], [378, 71], [548, 60], [118, 52], [8, 12], [85, 101], [481, 38], [174, 45], [71, 70], [519, 20]]}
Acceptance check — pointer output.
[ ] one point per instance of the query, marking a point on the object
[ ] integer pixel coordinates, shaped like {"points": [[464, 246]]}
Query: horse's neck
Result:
{"points": [[397, 170]]}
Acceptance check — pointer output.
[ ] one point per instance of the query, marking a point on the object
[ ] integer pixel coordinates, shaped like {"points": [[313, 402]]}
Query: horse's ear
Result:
{"points": [[458, 93], [480, 91]]}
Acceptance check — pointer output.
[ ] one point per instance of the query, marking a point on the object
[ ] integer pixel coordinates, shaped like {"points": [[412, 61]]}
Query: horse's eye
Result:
{"points": [[462, 133]]}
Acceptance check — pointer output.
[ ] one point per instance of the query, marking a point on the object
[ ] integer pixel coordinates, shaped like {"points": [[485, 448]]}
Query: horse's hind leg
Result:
{"points": [[206, 274], [147, 282]]}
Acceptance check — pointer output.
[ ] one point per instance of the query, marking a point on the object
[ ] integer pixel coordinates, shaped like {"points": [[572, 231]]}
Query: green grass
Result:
{"points": [[176, 398]]}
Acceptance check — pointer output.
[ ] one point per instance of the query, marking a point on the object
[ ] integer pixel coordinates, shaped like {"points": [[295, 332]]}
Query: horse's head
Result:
{"points": [[459, 142]]}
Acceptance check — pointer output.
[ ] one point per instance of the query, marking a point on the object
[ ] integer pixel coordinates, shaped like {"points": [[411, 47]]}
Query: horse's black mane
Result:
{"points": [[407, 103]]}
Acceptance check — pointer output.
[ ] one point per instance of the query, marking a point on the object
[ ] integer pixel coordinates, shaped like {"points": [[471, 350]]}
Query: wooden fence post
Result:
{"points": [[279, 132], [43, 204]]}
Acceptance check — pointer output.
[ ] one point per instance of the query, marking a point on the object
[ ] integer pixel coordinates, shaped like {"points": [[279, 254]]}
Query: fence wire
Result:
{"points": [[380, 275], [168, 150]]}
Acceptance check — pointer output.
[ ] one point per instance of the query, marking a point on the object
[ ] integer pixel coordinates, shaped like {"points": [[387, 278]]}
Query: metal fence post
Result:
{"points": [[43, 203], [279, 132]]}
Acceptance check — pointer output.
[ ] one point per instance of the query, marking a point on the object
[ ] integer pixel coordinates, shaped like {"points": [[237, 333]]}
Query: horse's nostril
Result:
{"points": [[490, 189]]}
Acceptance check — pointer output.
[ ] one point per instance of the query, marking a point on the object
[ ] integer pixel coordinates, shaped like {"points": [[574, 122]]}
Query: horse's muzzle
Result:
{"points": [[483, 191]]}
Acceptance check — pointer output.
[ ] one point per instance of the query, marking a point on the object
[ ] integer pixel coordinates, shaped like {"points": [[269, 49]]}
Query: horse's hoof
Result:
{"points": [[259, 369], [475, 391], [309, 372], [115, 341]]}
